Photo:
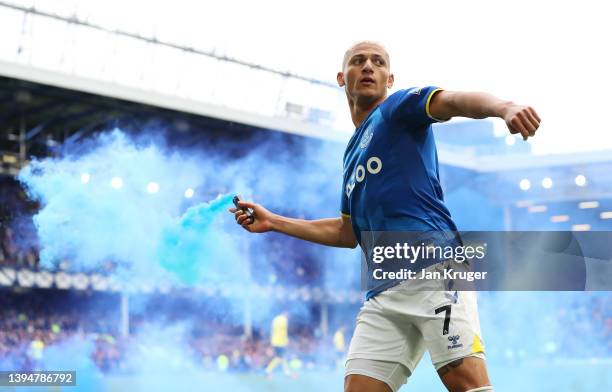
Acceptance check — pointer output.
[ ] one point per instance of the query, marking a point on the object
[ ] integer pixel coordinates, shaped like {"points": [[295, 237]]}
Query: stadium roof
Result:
{"points": [[272, 61]]}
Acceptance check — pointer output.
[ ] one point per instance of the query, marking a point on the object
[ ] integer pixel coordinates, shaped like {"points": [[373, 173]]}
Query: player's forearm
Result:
{"points": [[519, 118], [329, 231], [476, 105]]}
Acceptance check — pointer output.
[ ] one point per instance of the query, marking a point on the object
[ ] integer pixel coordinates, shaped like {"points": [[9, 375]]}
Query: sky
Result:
{"points": [[553, 56]]}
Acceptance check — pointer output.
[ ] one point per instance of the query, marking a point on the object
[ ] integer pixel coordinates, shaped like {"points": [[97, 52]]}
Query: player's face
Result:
{"points": [[366, 73]]}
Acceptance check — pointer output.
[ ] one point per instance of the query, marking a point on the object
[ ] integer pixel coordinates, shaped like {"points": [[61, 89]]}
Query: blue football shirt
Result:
{"points": [[391, 180]]}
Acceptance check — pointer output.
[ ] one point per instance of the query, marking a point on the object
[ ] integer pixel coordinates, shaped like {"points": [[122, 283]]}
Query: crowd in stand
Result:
{"points": [[34, 321], [12, 254]]}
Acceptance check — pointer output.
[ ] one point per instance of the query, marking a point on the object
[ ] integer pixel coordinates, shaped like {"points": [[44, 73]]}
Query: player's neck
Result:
{"points": [[361, 108]]}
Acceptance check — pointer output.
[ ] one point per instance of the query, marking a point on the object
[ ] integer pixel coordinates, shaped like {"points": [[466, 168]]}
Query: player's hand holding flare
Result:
{"points": [[263, 217], [522, 119]]}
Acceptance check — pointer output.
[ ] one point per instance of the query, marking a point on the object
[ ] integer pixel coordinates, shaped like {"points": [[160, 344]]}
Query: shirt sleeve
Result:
{"points": [[411, 106]]}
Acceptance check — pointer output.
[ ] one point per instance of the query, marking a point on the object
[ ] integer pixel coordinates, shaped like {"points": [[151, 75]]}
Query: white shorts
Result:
{"points": [[396, 327]]}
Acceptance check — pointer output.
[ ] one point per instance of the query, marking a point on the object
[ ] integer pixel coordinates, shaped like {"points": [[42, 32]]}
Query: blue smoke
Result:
{"points": [[75, 355], [190, 248], [88, 218], [122, 201], [156, 239]]}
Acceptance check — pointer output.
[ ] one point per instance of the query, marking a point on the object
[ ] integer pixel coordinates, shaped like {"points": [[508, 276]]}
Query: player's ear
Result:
{"points": [[390, 81], [340, 79]]}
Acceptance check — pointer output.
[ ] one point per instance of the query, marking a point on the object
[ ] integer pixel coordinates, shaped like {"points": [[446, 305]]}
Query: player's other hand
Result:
{"points": [[521, 119], [263, 217]]}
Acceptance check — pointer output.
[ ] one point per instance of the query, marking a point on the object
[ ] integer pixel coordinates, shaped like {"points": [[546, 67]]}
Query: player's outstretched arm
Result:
{"points": [[519, 118], [331, 231]]}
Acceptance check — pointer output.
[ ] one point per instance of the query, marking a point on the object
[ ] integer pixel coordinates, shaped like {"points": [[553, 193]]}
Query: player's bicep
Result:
{"points": [[441, 105]]}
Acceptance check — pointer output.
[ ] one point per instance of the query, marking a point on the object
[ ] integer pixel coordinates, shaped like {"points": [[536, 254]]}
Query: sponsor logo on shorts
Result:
{"points": [[454, 339]]}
